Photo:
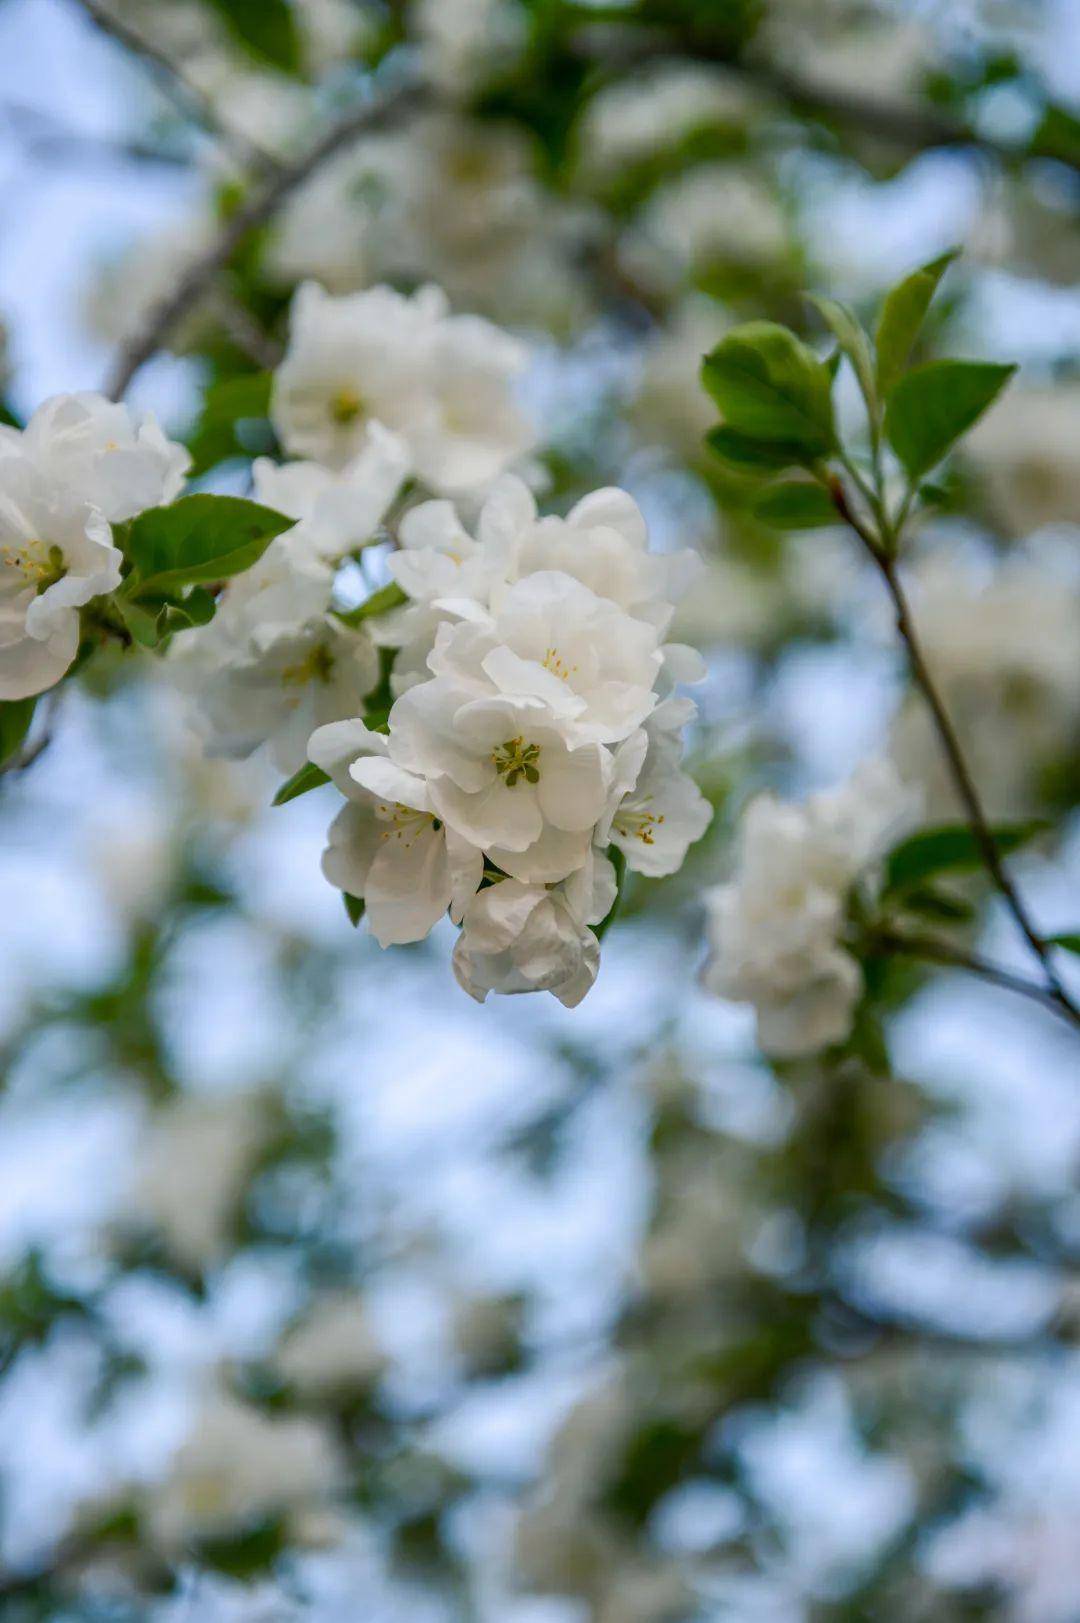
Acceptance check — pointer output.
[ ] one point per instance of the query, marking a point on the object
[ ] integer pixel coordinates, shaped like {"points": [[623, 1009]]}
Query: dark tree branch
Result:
{"points": [[932, 951], [260, 207], [186, 96]]}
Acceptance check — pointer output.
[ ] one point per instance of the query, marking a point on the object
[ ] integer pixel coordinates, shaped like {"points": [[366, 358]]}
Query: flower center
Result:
{"points": [[554, 662], [515, 760], [40, 564], [404, 823], [346, 406], [316, 666], [639, 824]]}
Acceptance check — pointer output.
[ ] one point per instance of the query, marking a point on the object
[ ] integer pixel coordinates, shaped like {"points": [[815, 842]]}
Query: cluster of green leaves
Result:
{"points": [[177, 555], [776, 398]]}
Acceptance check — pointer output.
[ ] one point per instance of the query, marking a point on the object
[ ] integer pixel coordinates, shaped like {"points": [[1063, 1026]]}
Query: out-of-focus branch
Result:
{"points": [[185, 95], [882, 550], [260, 207], [47, 138], [624, 43], [929, 950]]}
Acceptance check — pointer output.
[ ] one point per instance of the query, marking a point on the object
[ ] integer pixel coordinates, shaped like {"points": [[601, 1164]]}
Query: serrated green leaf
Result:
{"points": [[354, 907], [266, 28], [930, 408], [846, 328], [770, 386], [754, 457], [902, 315], [1068, 939], [951, 848], [198, 538], [15, 718], [794, 505], [309, 776], [380, 602]]}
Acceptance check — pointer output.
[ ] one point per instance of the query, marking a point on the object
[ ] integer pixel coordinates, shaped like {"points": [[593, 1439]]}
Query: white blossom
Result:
{"points": [[658, 810], [337, 511], [528, 938], [196, 1160], [445, 383], [80, 464], [238, 1467], [274, 663], [775, 930], [333, 1349], [534, 724], [388, 846]]}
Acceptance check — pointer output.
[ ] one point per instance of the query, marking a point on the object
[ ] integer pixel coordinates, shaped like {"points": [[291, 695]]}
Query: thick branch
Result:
{"points": [[186, 96], [259, 208]]}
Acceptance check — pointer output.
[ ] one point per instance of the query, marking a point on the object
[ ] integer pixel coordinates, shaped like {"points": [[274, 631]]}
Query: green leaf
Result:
{"points": [[15, 718], [795, 505], [145, 624], [380, 602], [198, 538], [309, 776], [951, 848], [933, 406], [196, 608], [618, 862], [754, 457], [902, 315], [267, 28], [846, 328], [1069, 940], [354, 907], [770, 386], [931, 903], [231, 409]]}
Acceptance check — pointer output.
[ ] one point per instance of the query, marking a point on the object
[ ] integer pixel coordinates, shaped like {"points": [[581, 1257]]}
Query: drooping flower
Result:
{"points": [[532, 938], [387, 846]]}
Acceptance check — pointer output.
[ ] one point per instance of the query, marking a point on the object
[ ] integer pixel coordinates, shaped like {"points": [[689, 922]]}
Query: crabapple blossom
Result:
{"points": [[776, 929], [80, 465], [336, 511], [387, 845], [534, 725], [274, 664], [534, 938], [444, 382]]}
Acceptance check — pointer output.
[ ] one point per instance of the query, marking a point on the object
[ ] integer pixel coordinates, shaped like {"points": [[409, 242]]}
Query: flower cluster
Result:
{"points": [[776, 929], [81, 465], [534, 735], [375, 388]]}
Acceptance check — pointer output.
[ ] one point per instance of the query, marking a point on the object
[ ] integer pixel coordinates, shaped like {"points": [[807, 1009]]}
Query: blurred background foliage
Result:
{"points": [[325, 1296]]}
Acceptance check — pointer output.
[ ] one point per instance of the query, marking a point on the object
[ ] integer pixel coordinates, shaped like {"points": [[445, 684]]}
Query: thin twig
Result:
{"points": [[965, 785], [188, 97], [952, 749], [245, 332], [259, 208], [943, 952]]}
